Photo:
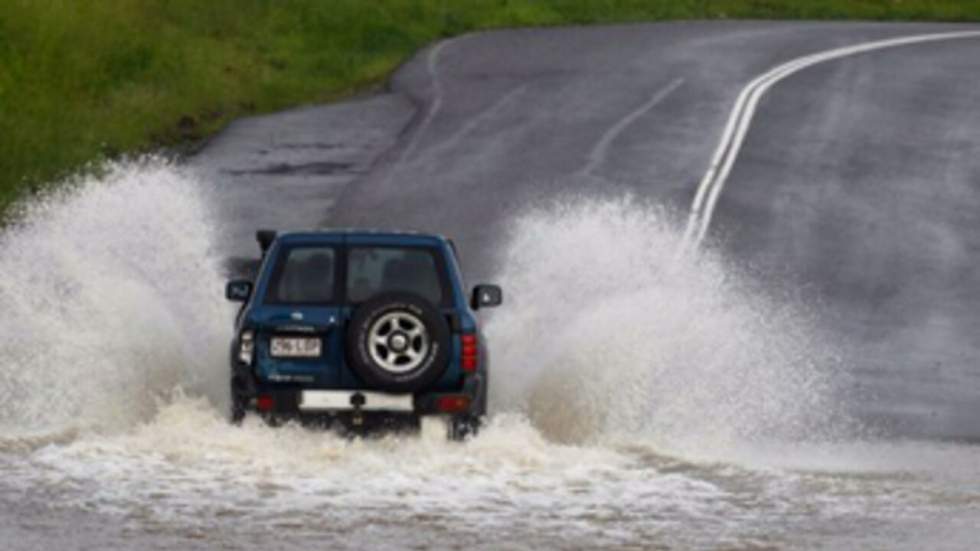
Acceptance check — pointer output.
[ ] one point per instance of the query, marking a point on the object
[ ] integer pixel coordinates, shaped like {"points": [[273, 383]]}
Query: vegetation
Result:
{"points": [[84, 80]]}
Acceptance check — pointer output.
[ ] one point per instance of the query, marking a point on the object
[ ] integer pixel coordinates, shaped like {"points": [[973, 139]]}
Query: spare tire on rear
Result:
{"points": [[398, 342]]}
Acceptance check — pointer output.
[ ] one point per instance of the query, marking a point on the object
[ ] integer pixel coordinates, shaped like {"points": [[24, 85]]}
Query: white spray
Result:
{"points": [[607, 334], [110, 299]]}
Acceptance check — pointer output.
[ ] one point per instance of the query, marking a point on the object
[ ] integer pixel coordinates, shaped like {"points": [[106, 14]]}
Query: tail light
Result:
{"points": [[453, 403], [265, 402], [471, 353]]}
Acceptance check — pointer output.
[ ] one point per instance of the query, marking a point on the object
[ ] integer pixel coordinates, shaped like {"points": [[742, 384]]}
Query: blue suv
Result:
{"points": [[361, 330]]}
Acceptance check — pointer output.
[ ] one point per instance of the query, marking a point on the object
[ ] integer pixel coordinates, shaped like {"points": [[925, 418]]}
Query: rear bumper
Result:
{"points": [[296, 400]]}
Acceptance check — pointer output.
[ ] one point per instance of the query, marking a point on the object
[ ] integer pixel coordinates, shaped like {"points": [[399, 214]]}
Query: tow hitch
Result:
{"points": [[357, 401]]}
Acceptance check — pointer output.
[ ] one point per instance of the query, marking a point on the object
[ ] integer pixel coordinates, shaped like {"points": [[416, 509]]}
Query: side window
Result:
{"points": [[303, 275], [375, 270]]}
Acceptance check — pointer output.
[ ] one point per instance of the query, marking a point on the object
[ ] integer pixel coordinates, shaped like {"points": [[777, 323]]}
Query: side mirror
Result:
{"points": [[486, 296], [238, 290]]}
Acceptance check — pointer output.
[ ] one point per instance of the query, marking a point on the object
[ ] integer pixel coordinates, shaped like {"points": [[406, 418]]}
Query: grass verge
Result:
{"points": [[85, 80]]}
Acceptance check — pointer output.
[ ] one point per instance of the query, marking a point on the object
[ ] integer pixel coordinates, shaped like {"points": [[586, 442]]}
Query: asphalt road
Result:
{"points": [[858, 184]]}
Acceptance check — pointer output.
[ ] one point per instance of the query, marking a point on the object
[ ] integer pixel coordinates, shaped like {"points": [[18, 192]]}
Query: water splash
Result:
{"points": [[608, 334], [110, 299]]}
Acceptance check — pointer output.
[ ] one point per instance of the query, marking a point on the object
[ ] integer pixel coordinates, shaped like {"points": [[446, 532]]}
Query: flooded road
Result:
{"points": [[625, 415], [186, 480]]}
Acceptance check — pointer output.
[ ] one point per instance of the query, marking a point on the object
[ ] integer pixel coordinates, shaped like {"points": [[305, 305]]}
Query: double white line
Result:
{"points": [[741, 118]]}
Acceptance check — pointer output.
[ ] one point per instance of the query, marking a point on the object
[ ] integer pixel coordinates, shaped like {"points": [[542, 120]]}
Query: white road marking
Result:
{"points": [[711, 186], [432, 64], [598, 154], [475, 122]]}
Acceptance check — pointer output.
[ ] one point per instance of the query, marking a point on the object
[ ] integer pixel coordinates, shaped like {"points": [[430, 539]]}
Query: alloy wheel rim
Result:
{"points": [[398, 342]]}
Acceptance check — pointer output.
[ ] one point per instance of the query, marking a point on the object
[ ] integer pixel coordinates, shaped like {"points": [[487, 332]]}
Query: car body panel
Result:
{"points": [[330, 321]]}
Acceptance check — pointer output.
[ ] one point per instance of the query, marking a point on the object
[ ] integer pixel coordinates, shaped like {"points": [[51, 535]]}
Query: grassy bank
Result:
{"points": [[83, 80]]}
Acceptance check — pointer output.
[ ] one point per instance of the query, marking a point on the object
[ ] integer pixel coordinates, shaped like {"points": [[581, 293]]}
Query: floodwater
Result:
{"points": [[640, 399]]}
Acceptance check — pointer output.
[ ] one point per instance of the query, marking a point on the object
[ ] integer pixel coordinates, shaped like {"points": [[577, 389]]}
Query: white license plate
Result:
{"points": [[340, 400], [295, 347]]}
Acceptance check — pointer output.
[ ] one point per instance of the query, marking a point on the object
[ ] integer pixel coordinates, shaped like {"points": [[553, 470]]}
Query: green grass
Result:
{"points": [[86, 80]]}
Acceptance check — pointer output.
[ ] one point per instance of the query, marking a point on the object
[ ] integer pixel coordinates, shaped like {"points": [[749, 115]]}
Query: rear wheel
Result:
{"points": [[237, 412], [462, 427], [241, 389], [238, 403]]}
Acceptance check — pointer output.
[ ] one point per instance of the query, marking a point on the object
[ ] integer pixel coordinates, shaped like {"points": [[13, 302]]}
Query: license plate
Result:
{"points": [[340, 400], [295, 347]]}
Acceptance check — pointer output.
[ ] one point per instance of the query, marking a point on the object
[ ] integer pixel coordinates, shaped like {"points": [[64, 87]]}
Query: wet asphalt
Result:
{"points": [[858, 188]]}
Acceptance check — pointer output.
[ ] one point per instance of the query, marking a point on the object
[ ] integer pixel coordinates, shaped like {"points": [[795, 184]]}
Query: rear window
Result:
{"points": [[375, 270], [303, 275]]}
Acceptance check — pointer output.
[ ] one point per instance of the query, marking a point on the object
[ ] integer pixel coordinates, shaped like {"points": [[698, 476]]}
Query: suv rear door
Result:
{"points": [[300, 329]]}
